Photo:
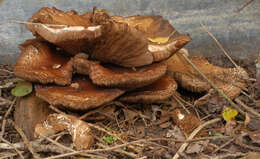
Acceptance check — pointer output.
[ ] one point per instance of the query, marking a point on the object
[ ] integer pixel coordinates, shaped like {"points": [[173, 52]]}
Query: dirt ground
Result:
{"points": [[146, 131]]}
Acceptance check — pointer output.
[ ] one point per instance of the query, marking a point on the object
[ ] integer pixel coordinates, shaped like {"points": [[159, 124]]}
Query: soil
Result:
{"points": [[120, 123]]}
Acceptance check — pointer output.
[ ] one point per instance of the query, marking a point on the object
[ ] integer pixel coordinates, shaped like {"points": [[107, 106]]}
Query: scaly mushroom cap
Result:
{"points": [[230, 80], [118, 77], [125, 41], [70, 30], [80, 95], [38, 62], [156, 92]]}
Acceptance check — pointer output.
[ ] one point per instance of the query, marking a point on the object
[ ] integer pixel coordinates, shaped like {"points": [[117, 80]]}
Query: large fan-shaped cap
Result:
{"points": [[39, 62], [81, 95], [156, 92], [65, 29], [119, 77], [131, 41]]}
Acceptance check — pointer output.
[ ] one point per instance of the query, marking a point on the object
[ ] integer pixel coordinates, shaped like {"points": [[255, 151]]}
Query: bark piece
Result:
{"points": [[29, 111]]}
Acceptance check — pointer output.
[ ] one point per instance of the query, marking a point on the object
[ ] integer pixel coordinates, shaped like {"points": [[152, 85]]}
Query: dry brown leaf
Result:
{"points": [[78, 129], [186, 122]]}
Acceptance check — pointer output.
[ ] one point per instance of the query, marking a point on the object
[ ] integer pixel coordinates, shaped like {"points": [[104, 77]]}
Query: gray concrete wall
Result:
{"points": [[239, 33]]}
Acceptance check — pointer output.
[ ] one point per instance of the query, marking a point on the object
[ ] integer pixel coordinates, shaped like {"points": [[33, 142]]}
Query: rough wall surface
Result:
{"points": [[238, 33]]}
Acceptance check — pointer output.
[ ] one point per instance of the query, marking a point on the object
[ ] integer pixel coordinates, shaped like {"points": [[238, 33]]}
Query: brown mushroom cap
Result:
{"points": [[119, 77], [124, 41], [156, 92], [81, 95], [38, 62], [230, 80], [70, 30]]}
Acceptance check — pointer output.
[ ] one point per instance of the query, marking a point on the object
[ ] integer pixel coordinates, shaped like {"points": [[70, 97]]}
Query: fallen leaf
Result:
{"points": [[165, 125], [255, 136], [254, 124], [78, 129], [22, 88], [130, 115], [196, 147], [186, 122], [229, 113], [161, 40], [253, 155], [176, 133]]}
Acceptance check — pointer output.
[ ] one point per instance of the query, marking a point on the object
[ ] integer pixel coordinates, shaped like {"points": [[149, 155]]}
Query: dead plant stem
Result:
{"points": [[192, 135]]}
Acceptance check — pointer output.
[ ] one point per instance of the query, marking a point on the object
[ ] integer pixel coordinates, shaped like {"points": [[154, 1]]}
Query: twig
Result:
{"points": [[230, 155], [31, 23], [223, 145], [36, 146], [216, 147], [57, 144], [246, 4], [27, 142], [219, 45], [97, 150], [119, 151], [238, 142], [183, 106], [112, 134], [191, 140], [249, 109], [6, 101], [56, 109], [7, 71], [6, 115], [8, 155], [13, 147], [213, 85], [194, 133]]}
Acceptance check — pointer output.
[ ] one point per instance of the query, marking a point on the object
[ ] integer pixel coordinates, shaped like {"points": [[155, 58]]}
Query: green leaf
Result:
{"points": [[218, 134], [229, 113], [22, 88], [109, 139]]}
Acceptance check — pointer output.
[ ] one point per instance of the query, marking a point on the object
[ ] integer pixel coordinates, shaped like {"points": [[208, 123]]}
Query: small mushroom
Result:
{"points": [[230, 80], [38, 62], [119, 77], [68, 30], [84, 96], [156, 92]]}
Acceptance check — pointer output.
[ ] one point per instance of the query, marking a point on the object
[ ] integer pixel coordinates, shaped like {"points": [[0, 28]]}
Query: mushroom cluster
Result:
{"points": [[81, 62], [84, 61]]}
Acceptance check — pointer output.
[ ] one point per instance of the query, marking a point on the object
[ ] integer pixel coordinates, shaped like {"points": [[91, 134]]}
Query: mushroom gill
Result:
{"points": [[118, 77], [39, 62], [68, 30], [80, 95]]}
